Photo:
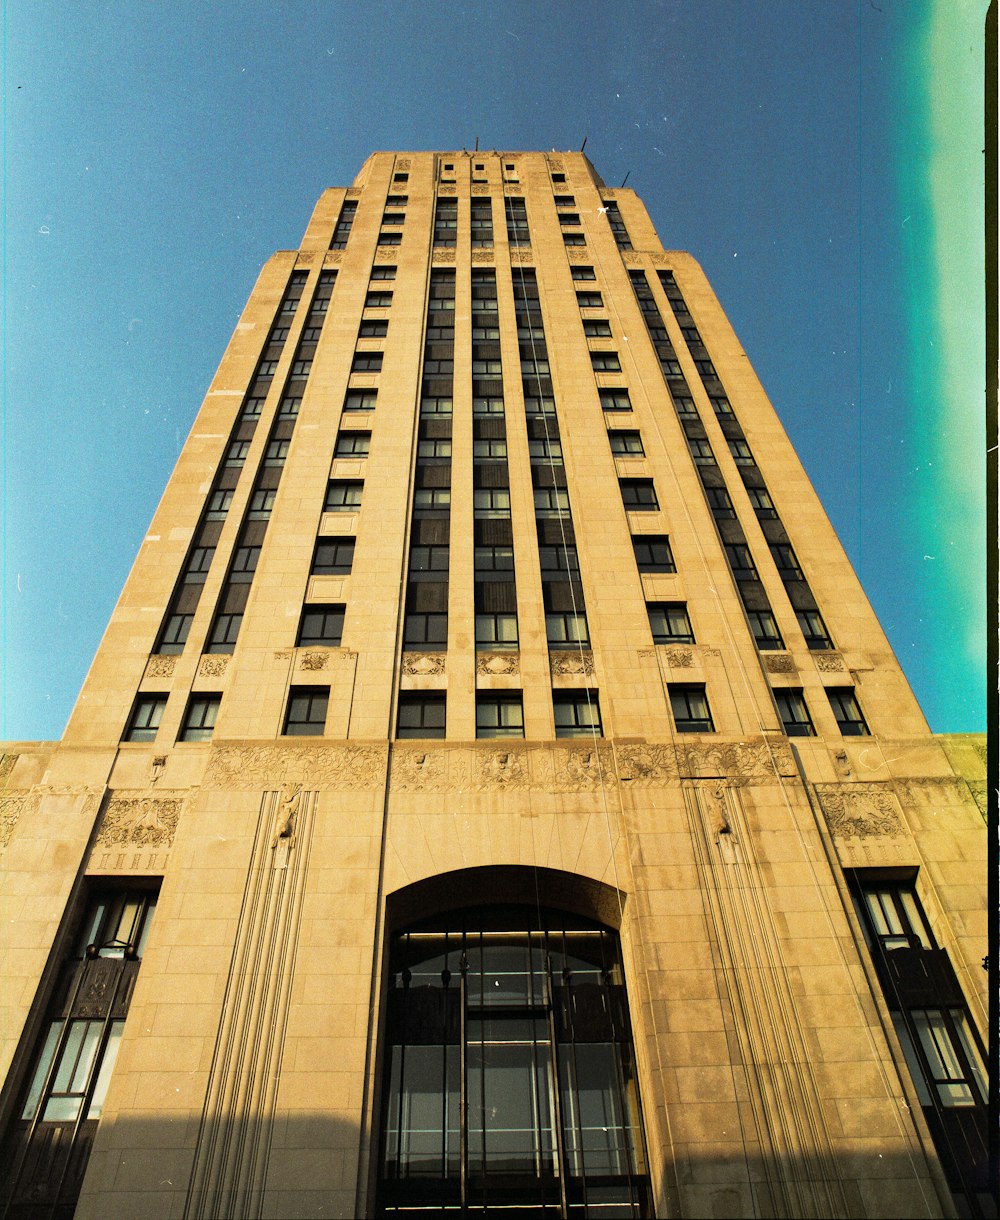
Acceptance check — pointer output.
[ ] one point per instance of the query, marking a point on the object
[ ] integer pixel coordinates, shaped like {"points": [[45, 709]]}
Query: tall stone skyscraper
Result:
{"points": [[494, 794]]}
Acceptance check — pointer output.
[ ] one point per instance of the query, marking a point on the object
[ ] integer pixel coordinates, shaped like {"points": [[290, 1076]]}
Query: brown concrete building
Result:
{"points": [[493, 794]]}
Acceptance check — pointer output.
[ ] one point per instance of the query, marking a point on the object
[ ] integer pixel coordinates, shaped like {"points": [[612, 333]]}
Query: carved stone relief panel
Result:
{"points": [[779, 663], [498, 663], [305, 258], [860, 811], [501, 769], [678, 657], [402, 165], [645, 765], [139, 821], [520, 256], [160, 667], [744, 761], [632, 258], [332, 257], [447, 189], [7, 764], [829, 662], [424, 664], [483, 256], [555, 164], [478, 189], [11, 807], [314, 660], [571, 662], [213, 665], [444, 256]]}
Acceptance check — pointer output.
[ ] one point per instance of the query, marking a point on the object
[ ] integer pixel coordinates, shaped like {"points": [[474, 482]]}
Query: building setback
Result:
{"points": [[493, 793]]}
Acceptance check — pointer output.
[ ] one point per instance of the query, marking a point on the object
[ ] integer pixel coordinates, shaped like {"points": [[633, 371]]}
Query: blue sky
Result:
{"points": [[821, 159]]}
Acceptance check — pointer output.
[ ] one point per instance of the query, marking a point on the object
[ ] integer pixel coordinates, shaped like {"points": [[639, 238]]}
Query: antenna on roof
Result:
{"points": [[584, 144], [476, 149], [625, 179]]}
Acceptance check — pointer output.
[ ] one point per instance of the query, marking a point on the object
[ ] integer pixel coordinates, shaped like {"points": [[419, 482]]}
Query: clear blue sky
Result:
{"points": [[822, 160]]}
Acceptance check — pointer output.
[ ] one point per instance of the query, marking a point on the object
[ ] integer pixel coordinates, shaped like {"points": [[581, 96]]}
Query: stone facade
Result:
{"points": [[250, 1072]]}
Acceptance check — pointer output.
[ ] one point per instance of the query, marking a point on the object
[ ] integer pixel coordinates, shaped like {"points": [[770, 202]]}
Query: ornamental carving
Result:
{"points": [[498, 663], [11, 807], [576, 254], [520, 256], [980, 748], [571, 662], [829, 662], [480, 190], [7, 762], [305, 258], [143, 821], [251, 767], [424, 664], [555, 164], [333, 257], [501, 769], [586, 767], [632, 258], [414, 770], [282, 656], [314, 660], [446, 188], [213, 666], [444, 256], [385, 256], [738, 760], [510, 189], [779, 663], [659, 259], [645, 764], [402, 163], [979, 794], [677, 657], [160, 667], [482, 256], [859, 811]]}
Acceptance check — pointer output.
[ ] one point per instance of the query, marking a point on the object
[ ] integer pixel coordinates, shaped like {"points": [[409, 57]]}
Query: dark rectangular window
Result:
{"points": [[382, 271], [499, 714], [424, 631], [847, 710], [794, 713], [626, 444], [345, 221], [321, 626], [446, 222], [353, 444], [690, 708], [740, 561], [373, 330], [429, 558], [639, 495], [199, 718], [567, 629], [765, 630], [605, 362], [597, 328], [721, 406], [390, 239], [147, 711], [307, 708], [333, 557], [589, 300], [652, 553], [762, 503], [366, 362], [574, 239], [378, 300], [615, 400], [582, 273], [720, 503], [701, 451], [669, 623], [393, 219], [741, 453], [814, 629], [577, 713], [343, 495], [787, 564], [421, 715], [360, 400], [496, 630]]}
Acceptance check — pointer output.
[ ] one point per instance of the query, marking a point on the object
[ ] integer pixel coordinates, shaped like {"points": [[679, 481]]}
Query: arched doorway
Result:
{"points": [[509, 1082]]}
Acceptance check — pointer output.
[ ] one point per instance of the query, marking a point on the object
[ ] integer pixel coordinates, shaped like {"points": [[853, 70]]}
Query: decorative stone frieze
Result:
{"points": [[328, 766], [213, 665], [678, 657], [11, 807], [779, 663], [746, 761], [479, 189], [444, 256], [501, 769]]}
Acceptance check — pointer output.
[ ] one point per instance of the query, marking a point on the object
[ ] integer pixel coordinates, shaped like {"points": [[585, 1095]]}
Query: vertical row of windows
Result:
{"points": [[799, 594], [446, 222], [744, 571], [184, 602], [577, 713], [425, 623], [481, 222], [516, 212], [618, 230], [345, 222], [495, 589], [236, 589], [393, 219]]}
